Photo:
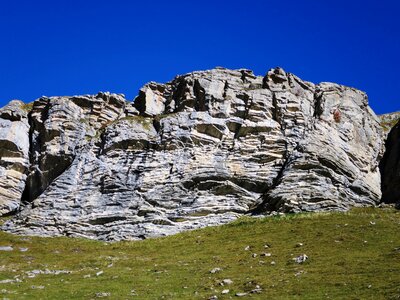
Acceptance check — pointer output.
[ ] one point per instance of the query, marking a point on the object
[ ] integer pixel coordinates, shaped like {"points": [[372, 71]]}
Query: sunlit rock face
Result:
{"points": [[200, 150], [14, 155]]}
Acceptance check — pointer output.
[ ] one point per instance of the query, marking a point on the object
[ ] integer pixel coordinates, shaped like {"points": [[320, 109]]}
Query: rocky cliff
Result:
{"points": [[200, 150]]}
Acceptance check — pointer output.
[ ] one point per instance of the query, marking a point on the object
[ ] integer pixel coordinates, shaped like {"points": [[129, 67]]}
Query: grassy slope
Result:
{"points": [[349, 258]]}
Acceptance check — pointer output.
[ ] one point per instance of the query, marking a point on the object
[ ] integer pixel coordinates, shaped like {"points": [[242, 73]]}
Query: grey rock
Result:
{"points": [[198, 151], [33, 273], [256, 290], [6, 248], [300, 259], [215, 270], [102, 295], [7, 281], [152, 99], [226, 281], [14, 155]]}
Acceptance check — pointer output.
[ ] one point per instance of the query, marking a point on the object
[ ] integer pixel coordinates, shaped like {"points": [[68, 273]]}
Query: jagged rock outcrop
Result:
{"points": [[14, 155], [197, 151]]}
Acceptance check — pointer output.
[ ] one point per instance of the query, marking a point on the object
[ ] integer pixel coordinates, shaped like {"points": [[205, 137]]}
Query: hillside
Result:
{"points": [[353, 255]]}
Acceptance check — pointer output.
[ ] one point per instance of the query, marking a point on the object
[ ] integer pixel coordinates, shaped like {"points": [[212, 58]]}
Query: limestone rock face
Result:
{"points": [[59, 126], [14, 155], [200, 150]]}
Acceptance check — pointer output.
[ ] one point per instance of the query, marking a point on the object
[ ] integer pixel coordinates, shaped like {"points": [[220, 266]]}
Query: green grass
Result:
{"points": [[146, 122], [388, 121], [387, 126], [27, 106], [354, 255]]}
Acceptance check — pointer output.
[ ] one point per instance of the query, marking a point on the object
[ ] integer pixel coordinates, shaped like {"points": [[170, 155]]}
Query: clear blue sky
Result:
{"points": [[82, 47]]}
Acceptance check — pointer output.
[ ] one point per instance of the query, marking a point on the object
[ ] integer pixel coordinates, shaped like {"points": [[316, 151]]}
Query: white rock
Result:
{"points": [[300, 259], [198, 151], [226, 281], [6, 248], [102, 295], [241, 294], [215, 270]]}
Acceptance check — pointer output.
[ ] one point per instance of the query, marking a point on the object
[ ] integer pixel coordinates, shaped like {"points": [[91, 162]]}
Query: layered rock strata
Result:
{"points": [[200, 150], [14, 155]]}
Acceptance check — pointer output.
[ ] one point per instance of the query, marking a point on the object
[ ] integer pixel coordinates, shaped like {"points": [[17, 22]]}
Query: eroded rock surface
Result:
{"points": [[199, 150], [14, 155]]}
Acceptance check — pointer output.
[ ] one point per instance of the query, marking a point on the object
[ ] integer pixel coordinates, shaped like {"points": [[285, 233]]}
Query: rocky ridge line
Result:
{"points": [[200, 150]]}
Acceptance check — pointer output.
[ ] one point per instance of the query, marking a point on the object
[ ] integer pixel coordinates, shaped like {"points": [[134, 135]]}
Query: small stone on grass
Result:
{"points": [[102, 295], [300, 259], [6, 248], [215, 270]]}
